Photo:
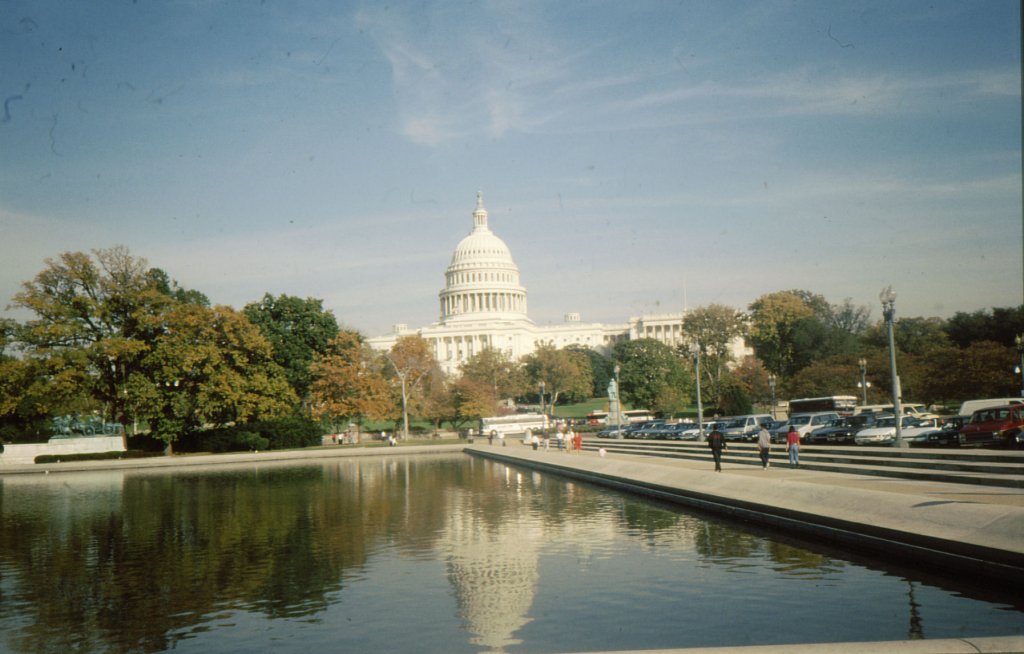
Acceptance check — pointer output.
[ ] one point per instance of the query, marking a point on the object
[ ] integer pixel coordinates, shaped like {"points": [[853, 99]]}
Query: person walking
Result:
{"points": [[793, 447], [717, 444], [764, 446]]}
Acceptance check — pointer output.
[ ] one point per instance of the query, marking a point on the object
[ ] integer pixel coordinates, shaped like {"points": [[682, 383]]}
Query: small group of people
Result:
{"points": [[568, 440], [717, 443]]}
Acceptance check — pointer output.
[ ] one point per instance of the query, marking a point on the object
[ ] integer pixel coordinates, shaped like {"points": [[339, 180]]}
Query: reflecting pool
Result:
{"points": [[436, 553]]}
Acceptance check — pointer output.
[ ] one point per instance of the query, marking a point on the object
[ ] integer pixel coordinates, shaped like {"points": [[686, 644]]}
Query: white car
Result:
{"points": [[884, 431]]}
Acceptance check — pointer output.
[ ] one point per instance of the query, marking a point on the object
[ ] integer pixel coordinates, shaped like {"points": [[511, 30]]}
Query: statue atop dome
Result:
{"points": [[479, 214]]}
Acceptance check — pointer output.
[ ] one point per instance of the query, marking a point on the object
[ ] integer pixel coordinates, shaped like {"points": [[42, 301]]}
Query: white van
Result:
{"points": [[804, 423], [970, 406], [745, 428]]}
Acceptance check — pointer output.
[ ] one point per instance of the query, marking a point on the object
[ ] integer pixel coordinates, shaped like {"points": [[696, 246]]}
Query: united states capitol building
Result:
{"points": [[483, 305]]}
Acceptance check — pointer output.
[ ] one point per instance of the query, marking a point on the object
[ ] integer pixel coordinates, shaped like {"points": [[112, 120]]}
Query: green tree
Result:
{"points": [[647, 370], [208, 367], [1000, 325], [602, 369], [347, 386], [163, 283], [298, 329]]}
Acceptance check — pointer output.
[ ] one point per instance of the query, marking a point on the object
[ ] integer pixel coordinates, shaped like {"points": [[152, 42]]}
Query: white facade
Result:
{"points": [[484, 305]]}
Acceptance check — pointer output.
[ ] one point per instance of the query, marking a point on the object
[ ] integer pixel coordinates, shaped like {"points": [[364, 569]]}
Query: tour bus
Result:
{"points": [[631, 415], [841, 404], [637, 415], [597, 418], [516, 424]]}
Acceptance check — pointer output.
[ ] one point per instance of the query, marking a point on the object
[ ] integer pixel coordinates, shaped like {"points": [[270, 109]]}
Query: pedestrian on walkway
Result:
{"points": [[793, 446], [717, 444], [764, 446]]}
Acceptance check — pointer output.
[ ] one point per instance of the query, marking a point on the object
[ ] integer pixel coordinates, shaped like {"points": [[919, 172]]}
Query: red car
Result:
{"points": [[996, 426]]}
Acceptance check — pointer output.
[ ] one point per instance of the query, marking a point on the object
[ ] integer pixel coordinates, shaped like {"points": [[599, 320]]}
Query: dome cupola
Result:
{"points": [[482, 281]]}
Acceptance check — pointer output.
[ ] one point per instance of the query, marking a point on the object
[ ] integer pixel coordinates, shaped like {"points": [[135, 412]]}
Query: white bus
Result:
{"points": [[841, 404], [516, 424], [637, 415]]}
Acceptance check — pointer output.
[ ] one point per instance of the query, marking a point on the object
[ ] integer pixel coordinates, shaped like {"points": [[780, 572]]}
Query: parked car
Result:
{"points": [[908, 408], [840, 431], [612, 432], [632, 429], [684, 431], [994, 427], [677, 431], [647, 429], [804, 424], [745, 428], [884, 430], [945, 435]]}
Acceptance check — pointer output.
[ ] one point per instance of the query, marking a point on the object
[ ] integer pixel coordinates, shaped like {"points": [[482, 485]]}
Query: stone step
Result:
{"points": [[967, 468]]}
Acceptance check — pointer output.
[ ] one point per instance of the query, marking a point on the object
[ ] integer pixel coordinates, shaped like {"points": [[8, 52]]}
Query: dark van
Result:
{"points": [[996, 426]]}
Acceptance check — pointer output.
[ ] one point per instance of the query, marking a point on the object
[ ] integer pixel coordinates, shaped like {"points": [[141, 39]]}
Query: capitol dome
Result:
{"points": [[482, 281]]}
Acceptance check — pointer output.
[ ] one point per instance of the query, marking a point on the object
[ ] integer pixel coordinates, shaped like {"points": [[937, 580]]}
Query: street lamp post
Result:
{"points": [[695, 351], [618, 405], [1019, 340], [542, 397], [888, 298], [771, 385], [863, 363]]}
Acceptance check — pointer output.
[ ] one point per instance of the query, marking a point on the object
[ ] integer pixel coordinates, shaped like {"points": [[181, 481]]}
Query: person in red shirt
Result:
{"points": [[793, 446]]}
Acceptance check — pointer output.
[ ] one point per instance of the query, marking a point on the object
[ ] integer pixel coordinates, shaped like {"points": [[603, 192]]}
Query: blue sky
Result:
{"points": [[635, 156]]}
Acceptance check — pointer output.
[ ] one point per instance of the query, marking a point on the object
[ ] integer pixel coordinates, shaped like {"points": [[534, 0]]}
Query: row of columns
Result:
{"points": [[670, 334], [477, 302], [460, 347]]}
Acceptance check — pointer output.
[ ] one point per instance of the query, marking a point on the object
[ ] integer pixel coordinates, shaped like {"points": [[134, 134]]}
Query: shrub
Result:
{"points": [[288, 433], [92, 456], [145, 443]]}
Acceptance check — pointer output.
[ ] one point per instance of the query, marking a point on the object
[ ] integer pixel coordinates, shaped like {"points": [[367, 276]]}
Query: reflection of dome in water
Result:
{"points": [[482, 280], [493, 569]]}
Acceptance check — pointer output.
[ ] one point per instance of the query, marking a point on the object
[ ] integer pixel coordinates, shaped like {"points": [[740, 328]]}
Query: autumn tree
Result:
{"points": [[564, 372], [494, 368], [773, 320], [346, 384], [469, 400], [208, 367], [93, 321], [714, 328], [410, 360], [298, 329]]}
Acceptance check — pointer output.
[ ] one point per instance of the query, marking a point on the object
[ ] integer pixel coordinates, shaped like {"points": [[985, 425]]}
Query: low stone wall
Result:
{"points": [[22, 453]]}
